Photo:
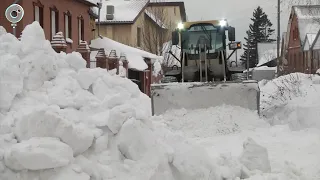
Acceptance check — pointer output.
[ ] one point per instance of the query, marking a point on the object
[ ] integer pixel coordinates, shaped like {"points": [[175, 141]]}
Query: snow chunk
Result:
{"points": [[135, 140], [119, 115], [11, 81], [255, 157], [33, 37], [76, 61], [87, 76], [38, 153], [47, 123]]}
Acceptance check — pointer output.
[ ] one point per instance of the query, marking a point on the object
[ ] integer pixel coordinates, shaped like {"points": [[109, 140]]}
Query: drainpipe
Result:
{"points": [[99, 6]]}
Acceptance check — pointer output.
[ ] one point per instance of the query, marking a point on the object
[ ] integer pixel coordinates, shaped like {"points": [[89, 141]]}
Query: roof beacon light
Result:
{"points": [[223, 23], [180, 26]]}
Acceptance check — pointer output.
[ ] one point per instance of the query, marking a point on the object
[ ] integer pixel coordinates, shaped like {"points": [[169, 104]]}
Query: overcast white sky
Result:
{"points": [[238, 13]]}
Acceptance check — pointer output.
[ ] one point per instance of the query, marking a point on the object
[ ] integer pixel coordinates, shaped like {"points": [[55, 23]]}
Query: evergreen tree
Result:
{"points": [[259, 31]]}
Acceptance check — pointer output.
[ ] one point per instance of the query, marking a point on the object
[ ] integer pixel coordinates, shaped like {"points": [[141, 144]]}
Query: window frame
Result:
{"points": [[40, 6], [67, 16], [54, 9], [80, 29]]}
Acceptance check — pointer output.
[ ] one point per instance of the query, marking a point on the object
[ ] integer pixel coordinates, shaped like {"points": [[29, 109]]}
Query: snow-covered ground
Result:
{"points": [[62, 121], [289, 129]]}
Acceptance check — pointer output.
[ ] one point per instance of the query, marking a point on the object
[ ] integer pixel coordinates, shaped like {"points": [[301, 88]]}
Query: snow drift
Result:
{"points": [[59, 120]]}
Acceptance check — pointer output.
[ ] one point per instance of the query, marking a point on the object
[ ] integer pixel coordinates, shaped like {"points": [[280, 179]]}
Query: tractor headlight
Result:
{"points": [[180, 26], [223, 23]]}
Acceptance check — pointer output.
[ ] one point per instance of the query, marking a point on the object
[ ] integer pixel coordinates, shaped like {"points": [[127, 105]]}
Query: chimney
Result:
{"points": [[110, 12]]}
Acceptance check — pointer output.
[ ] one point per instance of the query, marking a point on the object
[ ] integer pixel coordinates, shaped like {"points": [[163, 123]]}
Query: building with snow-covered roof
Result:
{"points": [[71, 17], [136, 22], [303, 27]]}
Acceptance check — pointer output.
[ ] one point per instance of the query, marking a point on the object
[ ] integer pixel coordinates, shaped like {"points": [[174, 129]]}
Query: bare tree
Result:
{"points": [[155, 30], [156, 33]]}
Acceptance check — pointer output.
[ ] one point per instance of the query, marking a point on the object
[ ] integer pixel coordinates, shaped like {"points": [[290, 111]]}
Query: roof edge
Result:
{"points": [[87, 3], [179, 3], [315, 40]]}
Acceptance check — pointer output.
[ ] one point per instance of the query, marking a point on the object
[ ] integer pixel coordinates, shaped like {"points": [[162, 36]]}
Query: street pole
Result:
{"points": [[236, 58], [248, 57], [278, 40]]}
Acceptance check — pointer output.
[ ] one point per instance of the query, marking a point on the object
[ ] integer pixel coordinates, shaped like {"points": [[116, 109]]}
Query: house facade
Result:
{"points": [[303, 27], [72, 17], [136, 22]]}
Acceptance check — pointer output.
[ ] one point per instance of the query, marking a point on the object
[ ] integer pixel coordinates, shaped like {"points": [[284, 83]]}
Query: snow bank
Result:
{"points": [[60, 120], [292, 99]]}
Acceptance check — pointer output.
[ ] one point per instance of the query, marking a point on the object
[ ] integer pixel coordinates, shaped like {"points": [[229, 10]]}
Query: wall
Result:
{"points": [[295, 55], [117, 32], [139, 23], [3, 21], [76, 9]]}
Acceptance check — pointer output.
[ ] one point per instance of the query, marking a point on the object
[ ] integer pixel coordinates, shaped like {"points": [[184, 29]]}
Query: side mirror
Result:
{"points": [[175, 38], [231, 33]]}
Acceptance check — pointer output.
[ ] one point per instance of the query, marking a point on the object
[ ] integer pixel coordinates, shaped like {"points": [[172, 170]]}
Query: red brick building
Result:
{"points": [[303, 27], [72, 17]]}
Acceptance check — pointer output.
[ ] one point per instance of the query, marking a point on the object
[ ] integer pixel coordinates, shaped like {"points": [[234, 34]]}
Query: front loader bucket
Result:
{"points": [[197, 95]]}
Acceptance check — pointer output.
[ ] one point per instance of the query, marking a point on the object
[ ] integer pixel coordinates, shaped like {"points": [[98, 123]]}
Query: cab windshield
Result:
{"points": [[205, 33]]}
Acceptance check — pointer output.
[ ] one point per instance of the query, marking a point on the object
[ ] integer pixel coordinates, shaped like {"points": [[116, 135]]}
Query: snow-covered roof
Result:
{"points": [[266, 52], [316, 42], [158, 21], [135, 56], [308, 20], [89, 2], [124, 11], [308, 41]]}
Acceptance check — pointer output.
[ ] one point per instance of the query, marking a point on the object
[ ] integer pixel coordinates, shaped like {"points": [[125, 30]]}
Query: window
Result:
{"points": [[80, 28], [54, 21], [38, 12], [139, 37], [67, 25]]}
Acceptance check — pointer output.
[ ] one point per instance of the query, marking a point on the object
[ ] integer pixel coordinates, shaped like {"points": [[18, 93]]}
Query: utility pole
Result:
{"points": [[278, 40]]}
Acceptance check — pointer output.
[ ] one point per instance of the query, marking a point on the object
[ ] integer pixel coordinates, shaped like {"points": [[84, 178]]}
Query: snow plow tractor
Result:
{"points": [[204, 79]]}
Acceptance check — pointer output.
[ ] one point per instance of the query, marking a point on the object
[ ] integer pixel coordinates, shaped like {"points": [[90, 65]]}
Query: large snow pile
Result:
{"points": [[62, 121], [292, 99]]}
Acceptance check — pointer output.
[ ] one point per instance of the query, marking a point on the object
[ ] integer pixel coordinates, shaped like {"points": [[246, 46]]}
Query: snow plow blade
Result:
{"points": [[197, 95]]}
